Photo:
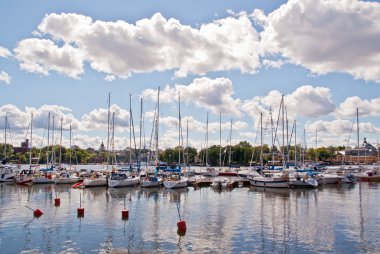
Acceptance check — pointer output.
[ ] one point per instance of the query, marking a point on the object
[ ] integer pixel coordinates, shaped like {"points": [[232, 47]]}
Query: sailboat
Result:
{"points": [[66, 176], [209, 172], [269, 178], [123, 178], [176, 180], [45, 175], [148, 181], [7, 171]]}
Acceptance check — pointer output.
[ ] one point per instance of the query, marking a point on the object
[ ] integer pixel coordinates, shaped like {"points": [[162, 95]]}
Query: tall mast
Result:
{"points": [[304, 148], [48, 144], [283, 132], [113, 140], [141, 117], [157, 123], [70, 147], [206, 139], [108, 128], [130, 131], [60, 144], [179, 130], [229, 153], [52, 144], [357, 127], [5, 137], [272, 132], [287, 135], [261, 140], [31, 139], [295, 143], [187, 142], [316, 145], [220, 140]]}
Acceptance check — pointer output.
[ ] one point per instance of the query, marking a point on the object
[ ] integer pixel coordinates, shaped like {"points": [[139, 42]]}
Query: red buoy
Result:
{"points": [[125, 214], [181, 225], [80, 212], [57, 201], [37, 213]]}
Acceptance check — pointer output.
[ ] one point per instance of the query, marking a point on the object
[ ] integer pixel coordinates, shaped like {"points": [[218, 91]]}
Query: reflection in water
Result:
{"points": [[339, 219]]}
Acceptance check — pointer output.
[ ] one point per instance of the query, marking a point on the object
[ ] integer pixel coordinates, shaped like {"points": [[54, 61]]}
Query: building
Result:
{"points": [[365, 154]]}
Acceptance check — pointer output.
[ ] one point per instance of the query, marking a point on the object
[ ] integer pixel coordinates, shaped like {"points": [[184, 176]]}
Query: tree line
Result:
{"points": [[242, 153]]}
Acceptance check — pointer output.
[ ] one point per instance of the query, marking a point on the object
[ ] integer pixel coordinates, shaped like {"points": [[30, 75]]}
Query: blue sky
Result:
{"points": [[233, 57]]}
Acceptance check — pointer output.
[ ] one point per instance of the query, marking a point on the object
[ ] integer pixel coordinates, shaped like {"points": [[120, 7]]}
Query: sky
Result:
{"points": [[226, 59]]}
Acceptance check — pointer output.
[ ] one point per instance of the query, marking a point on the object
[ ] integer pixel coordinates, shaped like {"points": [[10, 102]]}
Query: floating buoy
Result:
{"points": [[181, 225], [80, 210], [125, 214], [57, 201], [37, 212]]}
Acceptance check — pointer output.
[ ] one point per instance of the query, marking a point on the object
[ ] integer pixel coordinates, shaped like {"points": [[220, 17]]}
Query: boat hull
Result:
{"points": [[269, 184], [302, 183], [95, 182], [175, 184], [7, 177], [123, 183]]}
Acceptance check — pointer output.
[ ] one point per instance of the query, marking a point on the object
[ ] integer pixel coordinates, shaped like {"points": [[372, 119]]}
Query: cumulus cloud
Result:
{"points": [[306, 101], [211, 94], [5, 77], [152, 44], [4, 52], [366, 107], [326, 36], [98, 118], [43, 56]]}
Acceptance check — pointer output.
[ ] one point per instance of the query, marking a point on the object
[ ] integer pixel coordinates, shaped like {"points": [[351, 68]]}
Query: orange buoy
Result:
{"points": [[125, 214], [57, 201]]}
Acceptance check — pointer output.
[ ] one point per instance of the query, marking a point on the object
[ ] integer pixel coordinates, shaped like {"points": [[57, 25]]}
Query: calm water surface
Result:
{"points": [[336, 219]]}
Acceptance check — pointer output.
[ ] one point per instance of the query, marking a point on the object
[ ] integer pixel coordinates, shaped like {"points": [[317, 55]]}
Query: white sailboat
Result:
{"points": [[176, 180], [7, 171]]}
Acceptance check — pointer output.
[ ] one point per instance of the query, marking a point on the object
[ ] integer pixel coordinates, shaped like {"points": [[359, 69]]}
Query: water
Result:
{"points": [[337, 219]]}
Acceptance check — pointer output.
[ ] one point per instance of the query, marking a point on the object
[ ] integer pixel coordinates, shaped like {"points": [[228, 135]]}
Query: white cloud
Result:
{"points": [[5, 77], [211, 94], [273, 64], [326, 36], [306, 101], [366, 107], [4, 52], [43, 56], [110, 78], [155, 44], [98, 118]]}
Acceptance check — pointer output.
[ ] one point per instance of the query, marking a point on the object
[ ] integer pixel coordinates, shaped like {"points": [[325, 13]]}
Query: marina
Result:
{"points": [[339, 218]]}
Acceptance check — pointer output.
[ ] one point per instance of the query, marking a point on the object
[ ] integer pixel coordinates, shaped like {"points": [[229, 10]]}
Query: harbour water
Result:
{"points": [[331, 219]]}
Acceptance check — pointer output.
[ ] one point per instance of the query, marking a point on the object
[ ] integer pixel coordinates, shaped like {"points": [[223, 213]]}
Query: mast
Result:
{"points": [[220, 141], [31, 139], [5, 137], [141, 117], [60, 144], [287, 135], [70, 148], [157, 124], [283, 132], [316, 146], [52, 144], [229, 154], [304, 148], [48, 144], [261, 140], [206, 140], [130, 131], [179, 130], [272, 132], [187, 142], [108, 128], [357, 127], [295, 143], [113, 161]]}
